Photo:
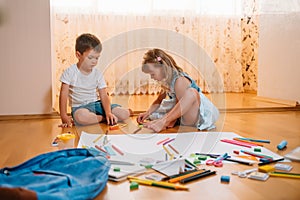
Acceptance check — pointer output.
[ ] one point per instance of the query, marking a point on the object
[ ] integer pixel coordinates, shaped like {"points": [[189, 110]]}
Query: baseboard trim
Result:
{"points": [[291, 103], [55, 115], [254, 110]]}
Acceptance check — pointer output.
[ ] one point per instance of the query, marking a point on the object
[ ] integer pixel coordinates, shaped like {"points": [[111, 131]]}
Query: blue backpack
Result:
{"points": [[65, 174]]}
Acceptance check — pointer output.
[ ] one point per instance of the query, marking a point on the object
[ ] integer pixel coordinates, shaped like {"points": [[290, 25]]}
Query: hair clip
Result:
{"points": [[158, 58]]}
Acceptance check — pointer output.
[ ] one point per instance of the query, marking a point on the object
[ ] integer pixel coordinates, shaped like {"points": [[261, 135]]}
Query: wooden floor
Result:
{"points": [[227, 102], [22, 138]]}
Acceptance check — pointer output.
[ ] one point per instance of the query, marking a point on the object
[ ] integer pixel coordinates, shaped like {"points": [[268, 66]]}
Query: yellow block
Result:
{"points": [[66, 136], [266, 168]]}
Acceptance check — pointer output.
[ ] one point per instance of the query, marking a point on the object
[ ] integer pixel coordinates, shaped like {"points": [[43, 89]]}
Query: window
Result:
{"points": [[150, 7]]}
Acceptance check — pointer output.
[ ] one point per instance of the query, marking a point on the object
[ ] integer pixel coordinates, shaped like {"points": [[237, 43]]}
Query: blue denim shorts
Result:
{"points": [[95, 107]]}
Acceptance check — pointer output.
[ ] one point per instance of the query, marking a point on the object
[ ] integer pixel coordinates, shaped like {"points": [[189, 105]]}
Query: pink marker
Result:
{"points": [[117, 149], [168, 141], [99, 148], [158, 143], [244, 144]]}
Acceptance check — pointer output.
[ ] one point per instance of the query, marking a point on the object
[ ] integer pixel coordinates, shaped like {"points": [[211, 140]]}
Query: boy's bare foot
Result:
{"points": [[130, 112]]}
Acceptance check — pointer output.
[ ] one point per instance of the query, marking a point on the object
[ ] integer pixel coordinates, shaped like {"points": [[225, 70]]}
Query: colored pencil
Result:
{"points": [[180, 174], [285, 174], [189, 163], [288, 173], [99, 148], [198, 176], [249, 142], [122, 125], [244, 144], [271, 161], [173, 148], [159, 142], [157, 183], [166, 142], [167, 151], [179, 178], [117, 149], [257, 155], [98, 138], [137, 130], [255, 140], [221, 157]]}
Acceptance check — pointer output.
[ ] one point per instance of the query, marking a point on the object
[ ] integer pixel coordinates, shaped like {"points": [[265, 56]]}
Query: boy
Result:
{"points": [[86, 88]]}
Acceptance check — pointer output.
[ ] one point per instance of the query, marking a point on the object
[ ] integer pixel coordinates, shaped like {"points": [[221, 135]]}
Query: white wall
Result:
{"points": [[279, 56], [25, 57]]}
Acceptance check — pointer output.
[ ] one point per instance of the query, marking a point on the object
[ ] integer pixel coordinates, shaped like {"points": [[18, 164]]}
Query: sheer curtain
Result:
{"points": [[214, 41]]}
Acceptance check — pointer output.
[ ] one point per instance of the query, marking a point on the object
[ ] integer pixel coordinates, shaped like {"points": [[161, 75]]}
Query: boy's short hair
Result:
{"points": [[87, 41]]}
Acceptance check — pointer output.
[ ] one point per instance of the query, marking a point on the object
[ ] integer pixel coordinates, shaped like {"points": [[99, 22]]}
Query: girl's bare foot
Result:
{"points": [[171, 124]]}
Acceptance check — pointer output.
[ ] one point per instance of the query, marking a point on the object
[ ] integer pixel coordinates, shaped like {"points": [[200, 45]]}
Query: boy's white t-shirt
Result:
{"points": [[83, 88]]}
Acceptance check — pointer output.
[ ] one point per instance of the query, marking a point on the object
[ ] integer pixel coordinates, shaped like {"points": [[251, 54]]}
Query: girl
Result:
{"points": [[185, 100]]}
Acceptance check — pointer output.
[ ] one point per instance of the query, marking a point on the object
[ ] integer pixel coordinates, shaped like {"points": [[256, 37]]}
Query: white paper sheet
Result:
{"points": [[137, 147], [147, 149]]}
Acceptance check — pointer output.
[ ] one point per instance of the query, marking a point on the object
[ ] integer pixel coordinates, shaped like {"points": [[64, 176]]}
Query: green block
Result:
{"points": [[202, 157], [196, 161], [134, 185], [148, 166], [117, 169], [257, 149]]}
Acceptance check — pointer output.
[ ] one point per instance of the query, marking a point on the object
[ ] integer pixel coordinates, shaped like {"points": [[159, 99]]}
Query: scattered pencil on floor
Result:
{"points": [[161, 184], [117, 149], [98, 138], [285, 174], [137, 130], [122, 125], [173, 148]]}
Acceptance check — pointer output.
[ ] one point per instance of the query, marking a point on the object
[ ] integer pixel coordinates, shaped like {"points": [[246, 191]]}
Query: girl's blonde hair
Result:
{"points": [[160, 57]]}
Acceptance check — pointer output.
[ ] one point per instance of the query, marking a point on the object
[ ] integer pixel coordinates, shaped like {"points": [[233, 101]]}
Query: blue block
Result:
{"points": [[282, 145], [225, 179]]}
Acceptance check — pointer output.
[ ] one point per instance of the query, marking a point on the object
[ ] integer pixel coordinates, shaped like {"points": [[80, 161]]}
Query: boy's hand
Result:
{"points": [[111, 119], [67, 122]]}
